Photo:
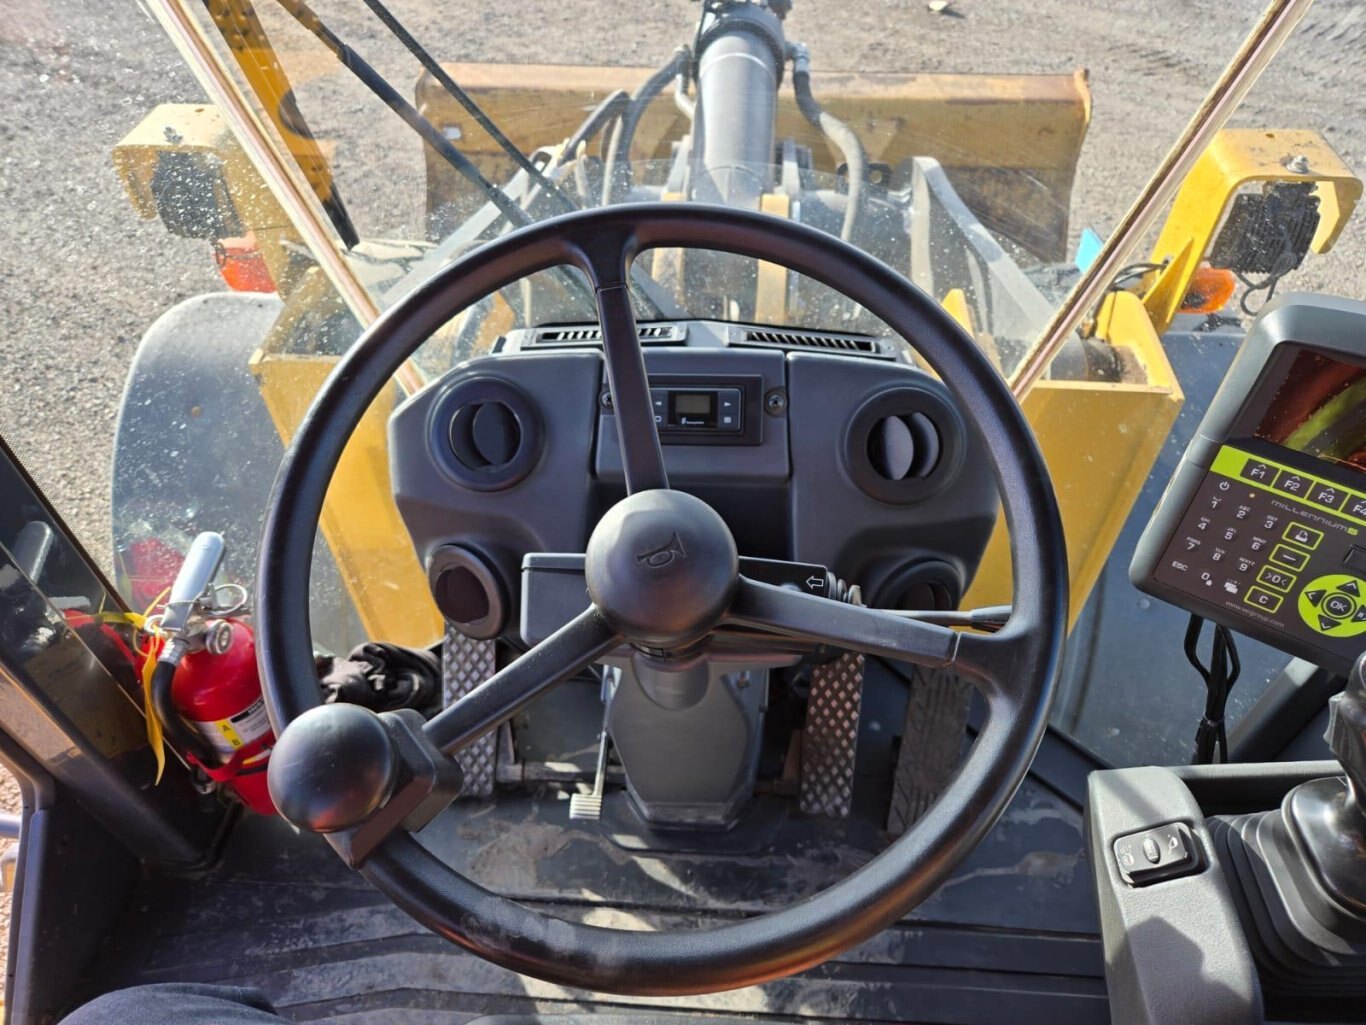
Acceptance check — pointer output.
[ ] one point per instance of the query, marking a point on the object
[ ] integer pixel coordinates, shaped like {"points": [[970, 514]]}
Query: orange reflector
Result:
{"points": [[241, 264], [1210, 290]]}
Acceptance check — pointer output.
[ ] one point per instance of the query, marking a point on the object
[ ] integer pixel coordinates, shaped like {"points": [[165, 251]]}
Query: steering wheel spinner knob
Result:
{"points": [[332, 768], [345, 771]]}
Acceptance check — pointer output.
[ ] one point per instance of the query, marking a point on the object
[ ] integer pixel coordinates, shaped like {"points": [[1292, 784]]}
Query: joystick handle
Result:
{"points": [[1346, 734]]}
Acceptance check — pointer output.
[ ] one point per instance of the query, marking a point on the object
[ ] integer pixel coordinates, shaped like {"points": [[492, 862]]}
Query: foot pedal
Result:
{"points": [[465, 664], [830, 740], [932, 743], [589, 806], [586, 806]]}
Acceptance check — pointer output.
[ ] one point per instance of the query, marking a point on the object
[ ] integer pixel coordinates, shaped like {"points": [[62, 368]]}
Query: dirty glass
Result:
{"points": [[166, 327]]}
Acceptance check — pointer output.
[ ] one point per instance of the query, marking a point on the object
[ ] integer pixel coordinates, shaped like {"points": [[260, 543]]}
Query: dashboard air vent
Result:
{"points": [[784, 338], [591, 334]]}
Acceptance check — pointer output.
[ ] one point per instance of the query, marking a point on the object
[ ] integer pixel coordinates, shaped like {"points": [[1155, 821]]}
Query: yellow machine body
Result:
{"points": [[1009, 142]]}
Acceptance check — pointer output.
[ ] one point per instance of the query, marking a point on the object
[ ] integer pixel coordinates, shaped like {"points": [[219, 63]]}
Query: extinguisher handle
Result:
{"points": [[196, 574]]}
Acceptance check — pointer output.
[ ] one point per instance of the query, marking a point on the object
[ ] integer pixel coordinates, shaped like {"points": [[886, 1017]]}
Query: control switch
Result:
{"points": [[1163, 852]]}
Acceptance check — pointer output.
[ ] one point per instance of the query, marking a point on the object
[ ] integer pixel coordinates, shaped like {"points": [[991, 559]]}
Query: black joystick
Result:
{"points": [[1302, 870], [1332, 819], [1347, 732]]}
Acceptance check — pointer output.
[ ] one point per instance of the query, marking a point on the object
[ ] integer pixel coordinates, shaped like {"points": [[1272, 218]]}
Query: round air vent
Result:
{"points": [[486, 433], [904, 444], [928, 585], [467, 590]]}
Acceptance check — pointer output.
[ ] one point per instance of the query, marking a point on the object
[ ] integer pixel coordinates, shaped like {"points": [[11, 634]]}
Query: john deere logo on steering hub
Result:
{"points": [[664, 555]]}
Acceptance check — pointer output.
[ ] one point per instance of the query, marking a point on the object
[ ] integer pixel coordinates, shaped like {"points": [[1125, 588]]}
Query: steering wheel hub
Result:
{"points": [[662, 567]]}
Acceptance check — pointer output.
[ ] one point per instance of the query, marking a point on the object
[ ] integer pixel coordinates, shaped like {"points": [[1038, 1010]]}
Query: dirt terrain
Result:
{"points": [[81, 277]]}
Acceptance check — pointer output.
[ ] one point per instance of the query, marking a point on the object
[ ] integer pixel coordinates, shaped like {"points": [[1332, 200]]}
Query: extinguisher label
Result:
{"points": [[225, 736]]}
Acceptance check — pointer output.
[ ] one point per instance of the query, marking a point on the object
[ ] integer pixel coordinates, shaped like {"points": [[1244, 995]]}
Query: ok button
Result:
{"points": [[1339, 606]]}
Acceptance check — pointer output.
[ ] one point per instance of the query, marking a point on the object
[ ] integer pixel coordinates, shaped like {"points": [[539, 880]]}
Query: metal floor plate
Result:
{"points": [[1011, 937]]}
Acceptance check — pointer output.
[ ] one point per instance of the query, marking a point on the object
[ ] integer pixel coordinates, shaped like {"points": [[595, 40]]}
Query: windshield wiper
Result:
{"points": [[391, 98], [465, 100], [247, 41]]}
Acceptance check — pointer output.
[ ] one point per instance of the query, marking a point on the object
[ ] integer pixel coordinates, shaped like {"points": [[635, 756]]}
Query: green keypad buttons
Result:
{"points": [[1334, 605], [1299, 534]]}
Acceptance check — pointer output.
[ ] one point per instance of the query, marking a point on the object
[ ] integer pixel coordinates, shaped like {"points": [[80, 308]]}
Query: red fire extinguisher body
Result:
{"points": [[219, 695]]}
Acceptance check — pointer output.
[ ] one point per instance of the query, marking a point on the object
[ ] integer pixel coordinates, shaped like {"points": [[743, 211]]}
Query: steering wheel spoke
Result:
{"points": [[791, 613], [577, 644], [605, 262], [991, 661]]}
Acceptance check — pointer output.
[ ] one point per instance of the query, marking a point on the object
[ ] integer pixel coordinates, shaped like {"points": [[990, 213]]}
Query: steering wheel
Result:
{"points": [[662, 574]]}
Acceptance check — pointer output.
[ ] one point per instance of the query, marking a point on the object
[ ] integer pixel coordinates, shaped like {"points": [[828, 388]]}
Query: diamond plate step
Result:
{"points": [[465, 664], [830, 740]]}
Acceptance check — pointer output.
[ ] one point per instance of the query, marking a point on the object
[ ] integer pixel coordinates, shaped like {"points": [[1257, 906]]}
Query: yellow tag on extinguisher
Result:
{"points": [[149, 665], [154, 736]]}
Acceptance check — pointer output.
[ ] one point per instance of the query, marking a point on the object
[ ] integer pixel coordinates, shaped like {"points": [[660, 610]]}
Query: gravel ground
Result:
{"points": [[81, 277]]}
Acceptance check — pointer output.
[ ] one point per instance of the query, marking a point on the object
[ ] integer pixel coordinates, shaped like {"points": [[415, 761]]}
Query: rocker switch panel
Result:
{"points": [[1152, 855]]}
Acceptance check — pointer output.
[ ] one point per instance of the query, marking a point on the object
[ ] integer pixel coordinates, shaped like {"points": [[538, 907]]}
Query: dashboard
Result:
{"points": [[816, 447]]}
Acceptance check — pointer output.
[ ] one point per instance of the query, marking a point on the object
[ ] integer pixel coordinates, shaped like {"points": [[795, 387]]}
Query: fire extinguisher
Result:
{"points": [[205, 689]]}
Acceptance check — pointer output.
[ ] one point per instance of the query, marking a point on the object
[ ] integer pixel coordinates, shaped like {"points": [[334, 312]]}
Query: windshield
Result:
{"points": [[171, 312], [878, 154]]}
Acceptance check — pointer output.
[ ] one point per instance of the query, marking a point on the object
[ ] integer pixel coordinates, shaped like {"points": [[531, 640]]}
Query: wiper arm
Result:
{"points": [[391, 98], [429, 62], [249, 45], [377, 84]]}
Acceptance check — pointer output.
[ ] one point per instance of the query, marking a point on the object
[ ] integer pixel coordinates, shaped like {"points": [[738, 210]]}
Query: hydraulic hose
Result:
{"points": [[613, 107], [617, 173], [841, 136], [182, 738]]}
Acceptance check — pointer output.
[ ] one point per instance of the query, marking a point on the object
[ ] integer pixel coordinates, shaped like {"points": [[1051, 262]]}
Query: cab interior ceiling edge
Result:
{"points": [[695, 656]]}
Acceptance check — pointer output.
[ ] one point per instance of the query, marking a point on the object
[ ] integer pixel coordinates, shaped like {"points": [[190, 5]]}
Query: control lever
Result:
{"points": [[1346, 734], [589, 806], [1337, 834], [1302, 868]]}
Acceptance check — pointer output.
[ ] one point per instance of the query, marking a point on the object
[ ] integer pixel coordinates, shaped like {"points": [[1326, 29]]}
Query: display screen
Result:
{"points": [[693, 403], [1320, 410]]}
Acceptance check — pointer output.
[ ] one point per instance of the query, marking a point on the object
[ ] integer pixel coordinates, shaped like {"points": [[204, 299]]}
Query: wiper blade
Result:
{"points": [[377, 84], [434, 67], [391, 98], [249, 45]]}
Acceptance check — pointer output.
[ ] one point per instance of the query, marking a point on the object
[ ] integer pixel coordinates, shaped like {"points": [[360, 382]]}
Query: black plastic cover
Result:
{"points": [[1174, 950]]}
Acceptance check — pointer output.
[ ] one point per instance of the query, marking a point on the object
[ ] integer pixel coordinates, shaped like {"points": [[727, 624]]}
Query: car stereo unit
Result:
{"points": [[1263, 527]]}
